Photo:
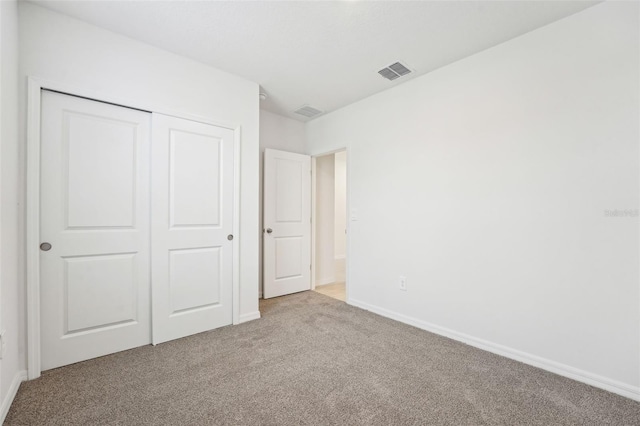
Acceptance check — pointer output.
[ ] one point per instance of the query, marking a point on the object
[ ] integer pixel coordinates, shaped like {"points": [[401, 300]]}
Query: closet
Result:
{"points": [[136, 220]]}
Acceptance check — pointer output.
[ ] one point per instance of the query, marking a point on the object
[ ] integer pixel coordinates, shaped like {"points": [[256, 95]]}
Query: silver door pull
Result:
{"points": [[269, 230], [230, 237], [45, 246]]}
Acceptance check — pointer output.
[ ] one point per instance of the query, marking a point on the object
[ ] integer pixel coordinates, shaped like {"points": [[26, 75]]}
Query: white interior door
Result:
{"points": [[287, 223], [94, 216], [192, 223]]}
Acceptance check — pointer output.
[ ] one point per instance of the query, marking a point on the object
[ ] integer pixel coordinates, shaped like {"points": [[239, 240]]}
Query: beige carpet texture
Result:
{"points": [[313, 360]]}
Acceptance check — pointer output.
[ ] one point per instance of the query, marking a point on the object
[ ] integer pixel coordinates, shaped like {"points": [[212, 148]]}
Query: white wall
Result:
{"points": [[11, 275], [57, 48], [486, 183], [284, 134], [340, 239], [325, 220], [340, 208]]}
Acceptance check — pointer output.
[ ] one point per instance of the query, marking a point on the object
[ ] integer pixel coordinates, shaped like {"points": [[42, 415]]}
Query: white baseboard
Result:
{"points": [[249, 317], [626, 390], [20, 377]]}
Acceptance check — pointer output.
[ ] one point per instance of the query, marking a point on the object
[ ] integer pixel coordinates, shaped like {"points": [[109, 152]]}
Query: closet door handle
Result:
{"points": [[268, 230]]}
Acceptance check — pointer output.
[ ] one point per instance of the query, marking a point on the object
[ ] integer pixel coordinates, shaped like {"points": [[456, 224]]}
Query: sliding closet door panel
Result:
{"points": [[192, 223], [95, 291]]}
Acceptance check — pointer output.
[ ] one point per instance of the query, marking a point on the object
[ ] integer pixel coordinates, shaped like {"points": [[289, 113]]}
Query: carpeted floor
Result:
{"points": [[313, 360]]}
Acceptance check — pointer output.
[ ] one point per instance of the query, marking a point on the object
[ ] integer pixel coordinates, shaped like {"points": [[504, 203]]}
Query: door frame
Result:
{"points": [[32, 209], [347, 260]]}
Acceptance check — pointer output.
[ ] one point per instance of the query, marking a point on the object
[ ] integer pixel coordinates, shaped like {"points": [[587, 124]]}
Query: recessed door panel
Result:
{"points": [[288, 190], [100, 291], [94, 213], [195, 169], [195, 278], [289, 257], [100, 168]]}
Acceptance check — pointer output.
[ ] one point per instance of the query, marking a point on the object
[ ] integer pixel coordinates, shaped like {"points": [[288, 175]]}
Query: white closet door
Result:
{"points": [[192, 223], [94, 229], [287, 223]]}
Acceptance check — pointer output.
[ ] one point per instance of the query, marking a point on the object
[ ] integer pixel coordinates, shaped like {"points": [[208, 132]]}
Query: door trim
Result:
{"points": [[347, 261], [32, 209]]}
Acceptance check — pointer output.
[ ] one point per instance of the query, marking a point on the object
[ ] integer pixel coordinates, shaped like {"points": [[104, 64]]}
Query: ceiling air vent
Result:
{"points": [[308, 111], [394, 71]]}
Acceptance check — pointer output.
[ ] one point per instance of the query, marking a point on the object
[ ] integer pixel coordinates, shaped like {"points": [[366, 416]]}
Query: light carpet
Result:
{"points": [[313, 360]]}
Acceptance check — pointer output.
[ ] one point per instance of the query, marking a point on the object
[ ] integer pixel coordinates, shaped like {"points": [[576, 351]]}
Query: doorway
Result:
{"points": [[330, 225]]}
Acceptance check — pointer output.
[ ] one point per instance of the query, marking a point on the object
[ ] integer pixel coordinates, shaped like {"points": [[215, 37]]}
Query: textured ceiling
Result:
{"points": [[322, 53]]}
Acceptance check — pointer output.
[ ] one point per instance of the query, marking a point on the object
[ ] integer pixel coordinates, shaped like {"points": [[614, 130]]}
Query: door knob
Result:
{"points": [[269, 230], [230, 237], [45, 246]]}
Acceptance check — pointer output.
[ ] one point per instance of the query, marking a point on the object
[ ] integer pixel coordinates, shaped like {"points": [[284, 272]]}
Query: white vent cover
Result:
{"points": [[394, 71], [308, 111]]}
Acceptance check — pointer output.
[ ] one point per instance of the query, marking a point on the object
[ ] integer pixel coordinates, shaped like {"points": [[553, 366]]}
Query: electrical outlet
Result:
{"points": [[402, 283]]}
